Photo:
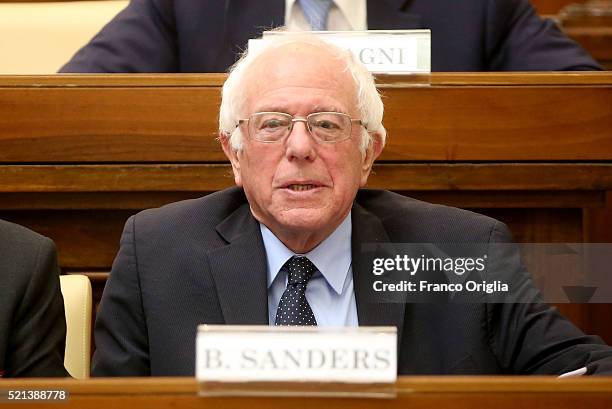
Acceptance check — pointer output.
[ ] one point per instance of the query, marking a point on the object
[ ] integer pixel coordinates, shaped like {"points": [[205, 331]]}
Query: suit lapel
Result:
{"points": [[390, 15], [239, 270], [367, 228]]}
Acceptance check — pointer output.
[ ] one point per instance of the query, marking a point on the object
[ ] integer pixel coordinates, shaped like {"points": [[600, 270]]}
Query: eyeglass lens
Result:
{"points": [[274, 126]]}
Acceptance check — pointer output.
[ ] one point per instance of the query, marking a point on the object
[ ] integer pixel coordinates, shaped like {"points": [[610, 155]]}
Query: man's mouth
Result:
{"points": [[301, 188]]}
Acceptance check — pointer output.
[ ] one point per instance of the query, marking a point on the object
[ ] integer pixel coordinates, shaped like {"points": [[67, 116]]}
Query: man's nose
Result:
{"points": [[300, 144]]}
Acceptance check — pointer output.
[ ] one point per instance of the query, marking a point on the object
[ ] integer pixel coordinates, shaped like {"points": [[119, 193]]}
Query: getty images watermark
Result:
{"points": [[422, 264], [486, 272]]}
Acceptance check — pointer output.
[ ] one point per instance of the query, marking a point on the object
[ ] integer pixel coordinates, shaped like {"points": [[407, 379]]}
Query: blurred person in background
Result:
{"points": [[208, 36]]}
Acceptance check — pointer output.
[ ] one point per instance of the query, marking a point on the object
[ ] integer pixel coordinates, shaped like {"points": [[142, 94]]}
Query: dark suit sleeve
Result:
{"points": [[528, 336], [120, 329], [142, 38], [37, 338], [517, 39]]}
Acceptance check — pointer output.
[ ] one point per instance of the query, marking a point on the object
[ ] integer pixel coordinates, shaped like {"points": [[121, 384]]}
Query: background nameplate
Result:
{"points": [[381, 51]]}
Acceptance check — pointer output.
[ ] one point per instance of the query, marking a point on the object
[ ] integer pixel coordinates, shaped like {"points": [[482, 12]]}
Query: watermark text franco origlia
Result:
{"points": [[411, 266]]}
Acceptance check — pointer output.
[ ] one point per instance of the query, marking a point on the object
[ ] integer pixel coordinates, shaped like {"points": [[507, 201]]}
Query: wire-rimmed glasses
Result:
{"points": [[271, 127]]}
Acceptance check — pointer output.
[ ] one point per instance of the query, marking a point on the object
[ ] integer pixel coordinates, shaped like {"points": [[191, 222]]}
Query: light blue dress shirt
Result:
{"points": [[330, 291]]}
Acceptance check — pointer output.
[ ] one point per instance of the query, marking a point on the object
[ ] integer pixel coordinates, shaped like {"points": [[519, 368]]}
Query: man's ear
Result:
{"points": [[232, 155], [372, 152]]}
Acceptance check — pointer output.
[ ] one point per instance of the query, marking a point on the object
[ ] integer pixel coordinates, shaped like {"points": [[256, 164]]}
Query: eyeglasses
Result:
{"points": [[271, 127]]}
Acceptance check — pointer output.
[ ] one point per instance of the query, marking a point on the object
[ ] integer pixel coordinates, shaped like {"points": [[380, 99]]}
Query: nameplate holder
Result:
{"points": [[381, 51], [296, 361]]}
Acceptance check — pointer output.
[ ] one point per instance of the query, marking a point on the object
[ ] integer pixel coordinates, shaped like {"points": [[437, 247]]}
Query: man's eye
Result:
{"points": [[327, 125], [273, 124]]}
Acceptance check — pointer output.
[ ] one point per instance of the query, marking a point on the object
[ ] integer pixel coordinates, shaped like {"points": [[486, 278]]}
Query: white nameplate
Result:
{"points": [[296, 354], [381, 51]]}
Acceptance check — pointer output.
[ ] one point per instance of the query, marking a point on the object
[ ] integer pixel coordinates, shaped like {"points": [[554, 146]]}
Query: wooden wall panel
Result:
{"points": [[551, 7], [435, 122], [598, 221], [86, 240]]}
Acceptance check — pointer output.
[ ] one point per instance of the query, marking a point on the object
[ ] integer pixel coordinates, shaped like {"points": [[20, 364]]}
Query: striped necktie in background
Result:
{"points": [[316, 12]]}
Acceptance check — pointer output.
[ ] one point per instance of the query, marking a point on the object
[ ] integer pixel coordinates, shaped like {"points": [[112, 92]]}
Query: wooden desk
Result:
{"points": [[411, 392], [79, 154]]}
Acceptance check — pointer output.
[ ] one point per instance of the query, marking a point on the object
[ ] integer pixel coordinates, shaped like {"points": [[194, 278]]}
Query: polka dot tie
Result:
{"points": [[293, 308]]}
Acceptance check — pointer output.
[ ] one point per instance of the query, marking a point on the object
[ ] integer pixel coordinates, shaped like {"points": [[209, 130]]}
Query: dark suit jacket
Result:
{"points": [[203, 261], [206, 36], [32, 321]]}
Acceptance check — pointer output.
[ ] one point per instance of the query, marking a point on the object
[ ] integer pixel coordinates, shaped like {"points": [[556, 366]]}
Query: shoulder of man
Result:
{"points": [[411, 220], [20, 243], [203, 213]]}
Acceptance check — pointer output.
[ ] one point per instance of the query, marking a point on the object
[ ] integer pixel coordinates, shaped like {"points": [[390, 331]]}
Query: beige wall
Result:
{"points": [[38, 38]]}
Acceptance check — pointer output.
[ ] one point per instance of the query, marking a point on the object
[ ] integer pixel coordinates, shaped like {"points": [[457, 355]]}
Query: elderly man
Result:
{"points": [[301, 124]]}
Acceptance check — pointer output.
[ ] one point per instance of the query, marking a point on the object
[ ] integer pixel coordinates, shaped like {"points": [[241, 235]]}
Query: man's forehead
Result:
{"points": [[302, 66]]}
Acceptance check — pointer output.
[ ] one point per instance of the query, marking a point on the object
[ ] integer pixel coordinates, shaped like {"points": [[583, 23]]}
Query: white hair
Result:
{"points": [[369, 102]]}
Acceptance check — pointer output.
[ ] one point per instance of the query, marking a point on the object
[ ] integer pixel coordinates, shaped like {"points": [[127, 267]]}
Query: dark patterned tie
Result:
{"points": [[293, 308], [316, 12]]}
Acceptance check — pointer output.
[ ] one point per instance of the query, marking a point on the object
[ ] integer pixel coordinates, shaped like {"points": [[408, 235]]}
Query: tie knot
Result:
{"points": [[300, 270]]}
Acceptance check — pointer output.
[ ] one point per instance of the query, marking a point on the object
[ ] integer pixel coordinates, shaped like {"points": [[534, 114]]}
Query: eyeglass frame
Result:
{"points": [[295, 119]]}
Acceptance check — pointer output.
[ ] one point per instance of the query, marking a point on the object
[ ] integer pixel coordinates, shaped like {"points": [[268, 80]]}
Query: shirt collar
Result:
{"points": [[353, 11], [332, 256]]}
